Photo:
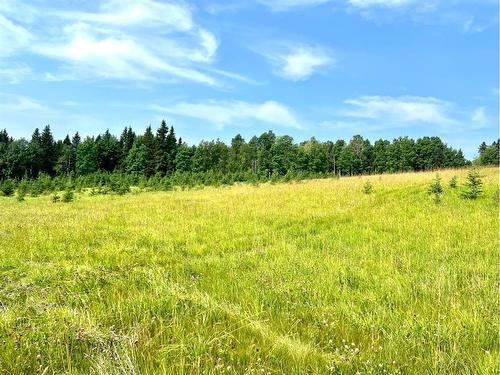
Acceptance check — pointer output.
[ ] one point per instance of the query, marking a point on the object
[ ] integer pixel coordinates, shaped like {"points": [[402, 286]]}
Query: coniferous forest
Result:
{"points": [[160, 158]]}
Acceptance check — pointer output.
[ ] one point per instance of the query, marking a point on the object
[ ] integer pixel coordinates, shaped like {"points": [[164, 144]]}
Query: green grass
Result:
{"points": [[313, 277]]}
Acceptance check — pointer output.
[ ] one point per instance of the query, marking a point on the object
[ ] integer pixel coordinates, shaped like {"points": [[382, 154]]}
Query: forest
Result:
{"points": [[159, 154]]}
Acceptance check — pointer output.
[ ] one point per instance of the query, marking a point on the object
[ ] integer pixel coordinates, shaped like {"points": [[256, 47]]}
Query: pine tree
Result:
{"points": [[4, 137], [8, 188], [48, 151], [367, 188], [473, 185], [453, 182], [162, 156], [148, 141], [436, 189], [171, 146], [36, 156], [75, 143]]}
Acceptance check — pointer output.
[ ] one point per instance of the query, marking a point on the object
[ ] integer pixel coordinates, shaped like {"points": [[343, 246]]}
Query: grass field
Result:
{"points": [[302, 278]]}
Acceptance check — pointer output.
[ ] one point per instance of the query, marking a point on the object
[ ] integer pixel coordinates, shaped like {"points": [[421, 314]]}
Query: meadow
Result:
{"points": [[310, 277]]}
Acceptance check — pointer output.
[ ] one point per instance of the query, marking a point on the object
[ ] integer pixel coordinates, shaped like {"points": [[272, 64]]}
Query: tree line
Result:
{"points": [[161, 153]]}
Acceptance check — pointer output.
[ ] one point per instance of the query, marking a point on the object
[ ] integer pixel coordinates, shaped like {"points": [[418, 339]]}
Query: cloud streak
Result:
{"points": [[404, 110], [133, 40], [225, 113]]}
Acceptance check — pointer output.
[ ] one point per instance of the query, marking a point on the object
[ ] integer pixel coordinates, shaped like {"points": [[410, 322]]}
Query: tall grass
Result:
{"points": [[307, 277]]}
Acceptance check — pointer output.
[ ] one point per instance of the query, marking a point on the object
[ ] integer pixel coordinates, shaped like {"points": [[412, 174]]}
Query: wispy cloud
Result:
{"points": [[404, 110], [380, 3], [224, 113], [286, 5], [298, 62], [12, 36], [283, 5], [457, 12], [14, 73], [479, 118], [133, 40], [20, 103]]}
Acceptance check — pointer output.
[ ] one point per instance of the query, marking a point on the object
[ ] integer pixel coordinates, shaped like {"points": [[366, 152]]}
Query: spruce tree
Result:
{"points": [[148, 140], [161, 155], [453, 182], [171, 144], [367, 188], [473, 185], [436, 189], [48, 151]]}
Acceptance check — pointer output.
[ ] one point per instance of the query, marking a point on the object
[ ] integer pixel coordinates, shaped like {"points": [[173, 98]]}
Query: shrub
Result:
{"points": [[367, 187], [55, 198], [453, 182], [473, 186], [275, 178], [436, 189], [8, 188], [22, 190], [68, 196]]}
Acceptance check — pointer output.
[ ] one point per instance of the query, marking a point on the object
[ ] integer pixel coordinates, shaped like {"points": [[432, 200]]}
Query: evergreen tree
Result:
{"points": [[48, 152], [162, 156], [36, 156], [453, 182], [436, 189], [148, 148], [171, 148], [367, 187], [473, 185], [127, 140], [4, 137], [75, 143]]}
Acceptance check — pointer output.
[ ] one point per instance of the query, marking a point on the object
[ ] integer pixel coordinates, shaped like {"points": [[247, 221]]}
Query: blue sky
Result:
{"points": [[329, 69]]}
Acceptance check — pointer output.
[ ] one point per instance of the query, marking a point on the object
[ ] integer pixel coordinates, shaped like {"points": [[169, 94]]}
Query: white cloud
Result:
{"points": [[299, 62], [223, 113], [19, 103], [14, 73], [380, 3], [122, 39], [401, 110], [116, 57], [144, 13], [480, 118], [282, 5], [12, 37]]}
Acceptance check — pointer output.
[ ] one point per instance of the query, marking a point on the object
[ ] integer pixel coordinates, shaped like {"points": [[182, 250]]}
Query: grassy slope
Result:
{"points": [[290, 278]]}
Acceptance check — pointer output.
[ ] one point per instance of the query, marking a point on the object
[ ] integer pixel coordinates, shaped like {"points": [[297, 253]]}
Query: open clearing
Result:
{"points": [[309, 277]]}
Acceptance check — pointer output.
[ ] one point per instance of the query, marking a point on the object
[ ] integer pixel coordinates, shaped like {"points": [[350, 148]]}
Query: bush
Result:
{"points": [[367, 187], [473, 186], [55, 198], [68, 196], [453, 182], [8, 188], [436, 189], [22, 190]]}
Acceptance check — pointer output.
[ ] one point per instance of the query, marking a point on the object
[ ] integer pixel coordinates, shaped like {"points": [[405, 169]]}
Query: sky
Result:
{"points": [[212, 69]]}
